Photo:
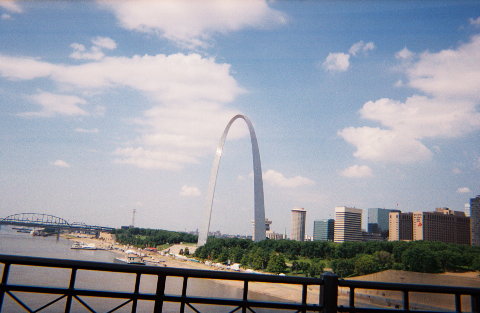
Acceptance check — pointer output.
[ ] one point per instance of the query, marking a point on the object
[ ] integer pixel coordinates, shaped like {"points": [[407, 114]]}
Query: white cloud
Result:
{"points": [[189, 93], [336, 62], [87, 131], [377, 144], [449, 82], [192, 24], [475, 21], [463, 190], [54, 104], [361, 47], [11, 6], [190, 191], [104, 42], [61, 163], [404, 54], [80, 52], [357, 171], [278, 179], [6, 16]]}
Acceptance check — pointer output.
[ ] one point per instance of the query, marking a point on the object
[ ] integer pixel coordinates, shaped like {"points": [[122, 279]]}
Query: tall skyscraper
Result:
{"points": [[400, 226], [475, 220], [348, 224], [298, 224], [323, 230], [378, 221], [442, 225]]}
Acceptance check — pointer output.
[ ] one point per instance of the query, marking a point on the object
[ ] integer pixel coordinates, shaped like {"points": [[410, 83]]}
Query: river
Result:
{"points": [[15, 243]]}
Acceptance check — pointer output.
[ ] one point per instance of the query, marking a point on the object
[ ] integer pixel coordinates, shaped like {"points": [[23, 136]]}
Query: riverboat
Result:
{"points": [[83, 246], [131, 259]]}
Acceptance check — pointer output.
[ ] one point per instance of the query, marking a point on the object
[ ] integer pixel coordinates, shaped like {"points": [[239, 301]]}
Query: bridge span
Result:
{"points": [[51, 221]]}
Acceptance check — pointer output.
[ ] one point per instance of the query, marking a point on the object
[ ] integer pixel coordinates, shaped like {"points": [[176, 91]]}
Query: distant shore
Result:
{"points": [[293, 292]]}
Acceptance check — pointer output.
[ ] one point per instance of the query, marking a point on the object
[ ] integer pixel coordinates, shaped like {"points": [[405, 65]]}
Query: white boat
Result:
{"points": [[83, 246], [131, 259]]}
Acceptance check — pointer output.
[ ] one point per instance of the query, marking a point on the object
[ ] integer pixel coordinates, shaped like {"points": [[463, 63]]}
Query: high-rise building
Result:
{"points": [[475, 220], [400, 226], [378, 220], [348, 224], [442, 225], [323, 230], [298, 224]]}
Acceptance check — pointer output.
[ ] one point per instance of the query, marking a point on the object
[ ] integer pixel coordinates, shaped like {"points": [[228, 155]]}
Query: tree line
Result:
{"points": [[144, 237], [310, 258]]}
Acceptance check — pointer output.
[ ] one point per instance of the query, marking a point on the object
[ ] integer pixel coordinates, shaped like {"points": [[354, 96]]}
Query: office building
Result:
{"points": [[400, 226], [323, 230], [442, 225], [298, 224], [348, 224], [378, 221], [475, 220]]}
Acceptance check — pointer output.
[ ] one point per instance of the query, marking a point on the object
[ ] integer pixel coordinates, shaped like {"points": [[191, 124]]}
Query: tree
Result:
{"points": [[420, 258], [316, 269], [343, 267], [276, 263], [366, 264]]}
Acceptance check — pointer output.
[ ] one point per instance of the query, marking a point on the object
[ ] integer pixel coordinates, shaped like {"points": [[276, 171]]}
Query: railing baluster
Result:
{"points": [[159, 293], [135, 293], [458, 303], [6, 270], [71, 287], [304, 296], [351, 297], [406, 300], [475, 302], [245, 296], [184, 293]]}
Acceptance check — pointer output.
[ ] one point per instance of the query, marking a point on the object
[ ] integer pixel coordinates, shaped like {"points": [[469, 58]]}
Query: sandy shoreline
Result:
{"points": [[293, 293]]}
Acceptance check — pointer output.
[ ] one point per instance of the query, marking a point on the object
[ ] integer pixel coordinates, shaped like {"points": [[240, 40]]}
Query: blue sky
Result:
{"points": [[110, 106]]}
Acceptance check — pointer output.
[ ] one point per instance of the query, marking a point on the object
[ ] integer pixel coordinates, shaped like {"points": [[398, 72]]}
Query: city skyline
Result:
{"points": [[113, 106]]}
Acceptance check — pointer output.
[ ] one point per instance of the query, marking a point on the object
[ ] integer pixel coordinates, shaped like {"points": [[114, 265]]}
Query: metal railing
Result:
{"points": [[326, 301]]}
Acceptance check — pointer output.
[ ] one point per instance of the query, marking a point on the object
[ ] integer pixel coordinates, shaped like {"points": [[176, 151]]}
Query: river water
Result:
{"points": [[14, 243]]}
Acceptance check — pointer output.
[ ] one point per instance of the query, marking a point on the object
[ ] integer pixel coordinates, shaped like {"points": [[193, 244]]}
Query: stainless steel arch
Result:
{"points": [[259, 205]]}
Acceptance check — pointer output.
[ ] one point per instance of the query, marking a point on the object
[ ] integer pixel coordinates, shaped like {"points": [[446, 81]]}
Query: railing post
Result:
{"points": [[137, 290], [160, 293], [6, 270], [184, 294], [245, 296], [71, 286], [475, 298], [329, 292]]}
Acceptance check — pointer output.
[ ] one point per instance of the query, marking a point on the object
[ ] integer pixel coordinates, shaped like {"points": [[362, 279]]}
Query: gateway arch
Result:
{"points": [[259, 205]]}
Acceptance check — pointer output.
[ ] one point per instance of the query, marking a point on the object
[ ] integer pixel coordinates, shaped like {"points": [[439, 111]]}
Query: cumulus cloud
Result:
{"points": [[357, 171], [80, 52], [55, 104], [447, 82], [61, 163], [11, 6], [361, 47], [189, 191], [275, 178], [189, 96], [191, 24], [340, 62], [336, 62], [404, 54], [475, 21], [463, 190]]}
